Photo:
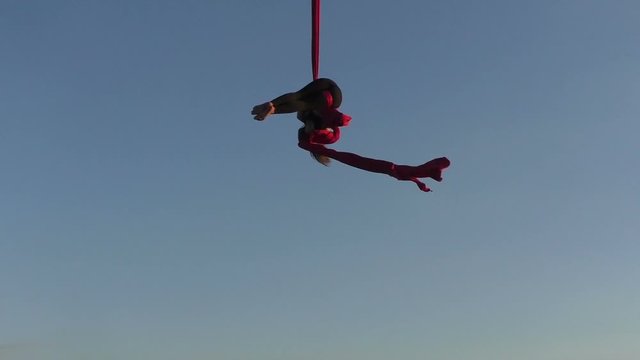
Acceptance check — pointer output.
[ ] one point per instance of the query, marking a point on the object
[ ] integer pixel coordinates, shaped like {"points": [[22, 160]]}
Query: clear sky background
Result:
{"points": [[145, 215]]}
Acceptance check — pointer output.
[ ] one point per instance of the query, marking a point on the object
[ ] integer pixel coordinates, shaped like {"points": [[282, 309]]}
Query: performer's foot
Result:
{"points": [[437, 175], [433, 169], [263, 110]]}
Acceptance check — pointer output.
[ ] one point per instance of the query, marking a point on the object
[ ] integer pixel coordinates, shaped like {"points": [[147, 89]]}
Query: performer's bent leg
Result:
{"points": [[432, 169], [357, 161], [309, 97]]}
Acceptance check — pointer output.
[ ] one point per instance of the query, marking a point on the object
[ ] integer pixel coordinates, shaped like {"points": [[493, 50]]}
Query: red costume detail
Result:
{"points": [[432, 169], [328, 98], [322, 136], [333, 118]]}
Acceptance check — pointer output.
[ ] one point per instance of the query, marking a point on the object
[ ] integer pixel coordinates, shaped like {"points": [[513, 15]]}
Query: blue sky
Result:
{"points": [[145, 215]]}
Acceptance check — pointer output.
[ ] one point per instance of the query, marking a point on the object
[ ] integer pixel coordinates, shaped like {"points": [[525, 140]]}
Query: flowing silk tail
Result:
{"points": [[431, 169]]}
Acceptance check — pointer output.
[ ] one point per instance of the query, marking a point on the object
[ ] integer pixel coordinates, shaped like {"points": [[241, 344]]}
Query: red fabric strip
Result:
{"points": [[315, 37]]}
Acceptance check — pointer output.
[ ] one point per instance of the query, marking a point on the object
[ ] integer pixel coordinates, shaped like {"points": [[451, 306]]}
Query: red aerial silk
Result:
{"points": [[432, 169], [315, 37]]}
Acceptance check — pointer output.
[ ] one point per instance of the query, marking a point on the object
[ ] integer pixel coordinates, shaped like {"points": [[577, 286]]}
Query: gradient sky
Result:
{"points": [[145, 215]]}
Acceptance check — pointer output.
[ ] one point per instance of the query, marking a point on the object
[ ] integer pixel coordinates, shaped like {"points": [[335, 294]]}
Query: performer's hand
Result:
{"points": [[263, 110]]}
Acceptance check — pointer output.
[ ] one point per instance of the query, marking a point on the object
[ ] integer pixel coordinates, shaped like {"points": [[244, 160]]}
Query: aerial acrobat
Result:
{"points": [[316, 105]]}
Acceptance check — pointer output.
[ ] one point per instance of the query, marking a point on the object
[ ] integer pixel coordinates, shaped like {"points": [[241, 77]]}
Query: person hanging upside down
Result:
{"points": [[316, 106]]}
